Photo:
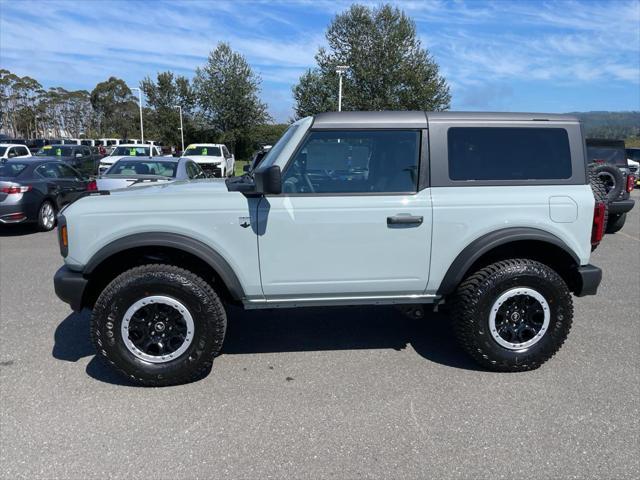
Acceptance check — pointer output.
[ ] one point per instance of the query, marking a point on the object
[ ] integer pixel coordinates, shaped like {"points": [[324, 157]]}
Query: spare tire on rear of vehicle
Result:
{"points": [[600, 194], [612, 179]]}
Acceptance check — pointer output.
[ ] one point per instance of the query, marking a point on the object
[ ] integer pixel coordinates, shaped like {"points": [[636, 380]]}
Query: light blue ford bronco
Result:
{"points": [[491, 215]]}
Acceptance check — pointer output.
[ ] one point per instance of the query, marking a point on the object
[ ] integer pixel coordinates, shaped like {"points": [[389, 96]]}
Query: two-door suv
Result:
{"points": [[489, 214]]}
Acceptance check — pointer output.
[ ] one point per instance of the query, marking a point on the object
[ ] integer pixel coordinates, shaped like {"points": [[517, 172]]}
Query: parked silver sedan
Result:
{"points": [[137, 171]]}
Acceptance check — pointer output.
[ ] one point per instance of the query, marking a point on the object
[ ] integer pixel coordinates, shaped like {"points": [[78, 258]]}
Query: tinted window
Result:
{"points": [[131, 151], [48, 170], [2, 150], [56, 150], [612, 155], [206, 151], [11, 169], [137, 167], [479, 153], [355, 162], [67, 172], [23, 151]]}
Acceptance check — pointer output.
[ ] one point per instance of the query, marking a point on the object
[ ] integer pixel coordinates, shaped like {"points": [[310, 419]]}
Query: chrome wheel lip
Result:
{"points": [[506, 296], [172, 302], [47, 215]]}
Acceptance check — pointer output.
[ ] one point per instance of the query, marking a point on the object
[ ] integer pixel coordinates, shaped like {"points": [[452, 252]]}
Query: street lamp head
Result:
{"points": [[340, 69]]}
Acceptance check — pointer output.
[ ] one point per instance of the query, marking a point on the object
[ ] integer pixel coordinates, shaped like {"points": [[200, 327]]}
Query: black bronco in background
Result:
{"points": [[608, 160]]}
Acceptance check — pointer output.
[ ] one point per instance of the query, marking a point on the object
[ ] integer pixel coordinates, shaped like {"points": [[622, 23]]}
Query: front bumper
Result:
{"points": [[621, 206], [70, 287], [589, 280]]}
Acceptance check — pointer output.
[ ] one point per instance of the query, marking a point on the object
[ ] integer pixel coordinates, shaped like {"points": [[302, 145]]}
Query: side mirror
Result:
{"points": [[269, 180], [246, 168]]}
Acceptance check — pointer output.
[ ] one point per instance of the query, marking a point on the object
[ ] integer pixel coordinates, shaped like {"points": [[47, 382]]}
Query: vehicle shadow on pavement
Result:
{"points": [[72, 342], [295, 330], [17, 230], [343, 328]]}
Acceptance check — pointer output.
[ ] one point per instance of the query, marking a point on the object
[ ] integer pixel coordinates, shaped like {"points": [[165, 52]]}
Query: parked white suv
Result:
{"points": [[491, 215], [214, 158], [13, 150], [127, 150]]}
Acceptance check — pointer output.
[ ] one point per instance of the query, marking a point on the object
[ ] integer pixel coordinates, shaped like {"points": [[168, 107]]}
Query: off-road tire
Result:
{"points": [[42, 226], [615, 175], [474, 298], [198, 296], [600, 195], [616, 223]]}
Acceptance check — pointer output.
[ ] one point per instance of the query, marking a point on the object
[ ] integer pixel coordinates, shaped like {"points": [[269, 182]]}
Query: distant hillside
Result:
{"points": [[616, 125]]}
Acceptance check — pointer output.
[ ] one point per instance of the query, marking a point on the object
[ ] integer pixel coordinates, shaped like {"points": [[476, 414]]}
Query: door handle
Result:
{"points": [[405, 220]]}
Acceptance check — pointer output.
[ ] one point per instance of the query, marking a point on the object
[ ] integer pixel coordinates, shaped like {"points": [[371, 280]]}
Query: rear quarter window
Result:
{"points": [[502, 153]]}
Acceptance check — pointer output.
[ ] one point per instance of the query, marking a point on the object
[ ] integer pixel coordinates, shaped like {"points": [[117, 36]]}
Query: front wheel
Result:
{"points": [[512, 315], [159, 325]]}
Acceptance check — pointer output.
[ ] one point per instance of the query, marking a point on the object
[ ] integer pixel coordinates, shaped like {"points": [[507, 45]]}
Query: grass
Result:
{"points": [[239, 166]]}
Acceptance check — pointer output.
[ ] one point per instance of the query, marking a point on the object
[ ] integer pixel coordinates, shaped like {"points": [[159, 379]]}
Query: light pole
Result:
{"points": [[340, 69], [140, 105], [181, 129]]}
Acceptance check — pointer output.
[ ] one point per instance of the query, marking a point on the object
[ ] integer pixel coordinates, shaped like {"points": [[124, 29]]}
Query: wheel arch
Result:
{"points": [[159, 247], [515, 242]]}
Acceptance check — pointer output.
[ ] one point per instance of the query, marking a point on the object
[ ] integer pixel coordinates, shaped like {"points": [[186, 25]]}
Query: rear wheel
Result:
{"points": [[159, 325], [46, 216], [513, 315]]}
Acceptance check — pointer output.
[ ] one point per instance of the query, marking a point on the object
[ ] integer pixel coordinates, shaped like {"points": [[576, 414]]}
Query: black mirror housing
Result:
{"points": [[246, 168], [268, 180]]}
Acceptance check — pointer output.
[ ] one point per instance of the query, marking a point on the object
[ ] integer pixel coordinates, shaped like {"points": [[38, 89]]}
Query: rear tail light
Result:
{"points": [[631, 180], [14, 190], [597, 231], [92, 186]]}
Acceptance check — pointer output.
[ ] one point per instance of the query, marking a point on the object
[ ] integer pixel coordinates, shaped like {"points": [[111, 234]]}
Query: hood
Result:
{"points": [[183, 187]]}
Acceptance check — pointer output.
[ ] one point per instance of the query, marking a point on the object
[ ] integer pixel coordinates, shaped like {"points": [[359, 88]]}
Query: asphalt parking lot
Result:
{"points": [[330, 393]]}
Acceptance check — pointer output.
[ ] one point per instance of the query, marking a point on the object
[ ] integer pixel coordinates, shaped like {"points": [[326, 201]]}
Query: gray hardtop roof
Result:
{"points": [[418, 119]]}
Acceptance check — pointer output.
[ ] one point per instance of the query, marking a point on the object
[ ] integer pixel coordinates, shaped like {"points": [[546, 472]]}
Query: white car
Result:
{"points": [[13, 150], [126, 150], [214, 158]]}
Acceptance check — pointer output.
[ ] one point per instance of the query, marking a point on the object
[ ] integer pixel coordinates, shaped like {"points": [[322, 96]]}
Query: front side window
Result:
{"points": [[356, 161], [496, 153], [66, 172]]}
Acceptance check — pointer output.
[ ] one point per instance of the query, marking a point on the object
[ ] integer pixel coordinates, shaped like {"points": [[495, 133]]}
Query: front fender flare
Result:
{"points": [[176, 241]]}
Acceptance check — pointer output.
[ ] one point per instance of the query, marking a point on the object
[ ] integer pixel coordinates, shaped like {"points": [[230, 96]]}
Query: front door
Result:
{"points": [[350, 221]]}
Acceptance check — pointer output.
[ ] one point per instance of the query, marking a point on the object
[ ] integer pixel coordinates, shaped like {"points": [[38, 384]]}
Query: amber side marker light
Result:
{"points": [[63, 236]]}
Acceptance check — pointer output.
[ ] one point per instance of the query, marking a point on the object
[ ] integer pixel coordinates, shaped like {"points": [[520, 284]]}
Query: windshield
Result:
{"points": [[634, 154], [2, 150], [287, 142], [131, 151], [206, 151], [55, 150], [137, 167], [611, 155], [11, 169]]}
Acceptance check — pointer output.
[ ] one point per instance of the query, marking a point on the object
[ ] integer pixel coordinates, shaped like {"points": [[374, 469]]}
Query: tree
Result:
{"points": [[162, 96], [116, 108], [388, 67], [227, 93]]}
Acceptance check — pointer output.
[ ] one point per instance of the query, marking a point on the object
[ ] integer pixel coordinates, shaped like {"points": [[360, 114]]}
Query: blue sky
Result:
{"points": [[548, 56]]}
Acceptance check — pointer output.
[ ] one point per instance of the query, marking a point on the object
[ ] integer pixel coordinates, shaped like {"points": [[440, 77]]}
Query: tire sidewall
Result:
{"points": [[120, 295], [544, 281], [41, 225]]}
